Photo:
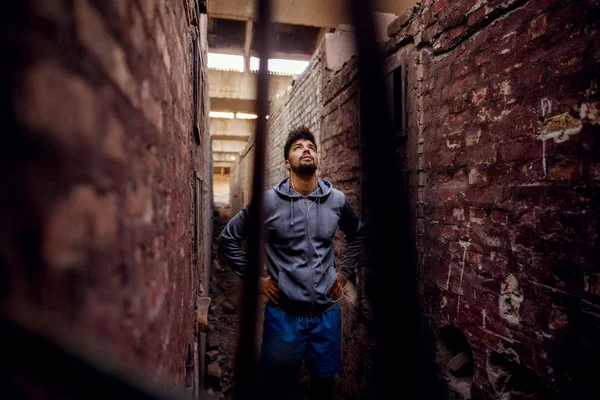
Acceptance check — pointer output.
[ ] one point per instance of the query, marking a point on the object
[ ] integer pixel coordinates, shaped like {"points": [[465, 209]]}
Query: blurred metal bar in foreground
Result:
{"points": [[36, 367], [392, 283], [246, 360]]}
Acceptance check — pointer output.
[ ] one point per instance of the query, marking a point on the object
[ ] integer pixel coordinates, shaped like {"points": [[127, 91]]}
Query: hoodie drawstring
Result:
{"points": [[318, 219], [291, 205], [293, 196]]}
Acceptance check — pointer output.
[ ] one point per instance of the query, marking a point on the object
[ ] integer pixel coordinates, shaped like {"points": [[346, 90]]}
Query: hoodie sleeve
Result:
{"points": [[353, 229], [230, 242]]}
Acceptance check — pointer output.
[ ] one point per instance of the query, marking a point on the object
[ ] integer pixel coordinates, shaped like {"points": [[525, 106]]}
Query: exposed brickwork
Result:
{"points": [[505, 161], [101, 166], [299, 105]]}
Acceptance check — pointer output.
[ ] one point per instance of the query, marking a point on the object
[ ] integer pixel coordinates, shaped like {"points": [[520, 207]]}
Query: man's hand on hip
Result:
{"points": [[268, 287], [338, 288]]}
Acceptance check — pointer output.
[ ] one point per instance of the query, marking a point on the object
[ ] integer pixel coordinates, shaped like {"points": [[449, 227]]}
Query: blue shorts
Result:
{"points": [[289, 339]]}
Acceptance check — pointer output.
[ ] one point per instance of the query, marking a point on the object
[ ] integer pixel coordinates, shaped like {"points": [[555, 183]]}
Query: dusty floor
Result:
{"points": [[223, 317]]}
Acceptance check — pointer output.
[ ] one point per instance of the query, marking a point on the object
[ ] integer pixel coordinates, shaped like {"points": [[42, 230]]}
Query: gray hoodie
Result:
{"points": [[299, 244]]}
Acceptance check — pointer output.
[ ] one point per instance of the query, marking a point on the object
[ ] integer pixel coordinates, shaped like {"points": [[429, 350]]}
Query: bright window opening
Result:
{"points": [[221, 114], [231, 62], [226, 61], [279, 65], [242, 115]]}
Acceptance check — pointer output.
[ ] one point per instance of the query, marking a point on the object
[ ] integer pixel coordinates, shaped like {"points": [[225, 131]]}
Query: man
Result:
{"points": [[302, 316]]}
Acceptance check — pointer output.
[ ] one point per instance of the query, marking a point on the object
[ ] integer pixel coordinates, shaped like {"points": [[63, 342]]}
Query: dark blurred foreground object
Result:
{"points": [[34, 367]]}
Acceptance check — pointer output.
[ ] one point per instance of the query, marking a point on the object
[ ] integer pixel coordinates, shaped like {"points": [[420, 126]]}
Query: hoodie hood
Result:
{"points": [[285, 191]]}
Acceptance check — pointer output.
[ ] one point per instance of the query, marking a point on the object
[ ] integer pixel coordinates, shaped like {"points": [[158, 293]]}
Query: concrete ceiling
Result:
{"points": [[228, 146], [224, 159], [233, 105], [319, 13], [309, 21], [242, 85], [232, 127], [238, 37], [235, 92], [229, 138]]}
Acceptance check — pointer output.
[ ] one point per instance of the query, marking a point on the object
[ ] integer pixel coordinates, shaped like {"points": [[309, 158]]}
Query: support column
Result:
{"points": [[248, 44]]}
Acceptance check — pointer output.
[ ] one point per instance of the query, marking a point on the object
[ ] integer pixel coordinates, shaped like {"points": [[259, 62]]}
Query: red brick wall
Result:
{"points": [[505, 122], [100, 168]]}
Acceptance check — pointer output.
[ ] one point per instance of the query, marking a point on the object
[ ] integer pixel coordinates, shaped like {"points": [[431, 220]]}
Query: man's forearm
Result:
{"points": [[233, 253], [230, 245]]}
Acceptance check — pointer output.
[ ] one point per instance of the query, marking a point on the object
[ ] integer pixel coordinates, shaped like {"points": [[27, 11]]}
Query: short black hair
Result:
{"points": [[300, 132]]}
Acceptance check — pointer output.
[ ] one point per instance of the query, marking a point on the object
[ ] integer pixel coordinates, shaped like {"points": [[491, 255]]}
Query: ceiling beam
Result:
{"points": [[239, 51], [248, 43], [230, 137], [242, 85], [232, 105], [236, 146], [225, 156], [224, 164], [325, 14], [231, 127]]}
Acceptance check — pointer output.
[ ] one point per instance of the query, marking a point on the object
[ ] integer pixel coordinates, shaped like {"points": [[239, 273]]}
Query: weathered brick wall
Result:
{"points": [[502, 141], [99, 171], [297, 106]]}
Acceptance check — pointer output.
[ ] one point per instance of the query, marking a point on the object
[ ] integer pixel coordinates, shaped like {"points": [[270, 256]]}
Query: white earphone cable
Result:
{"points": [[321, 263], [315, 248]]}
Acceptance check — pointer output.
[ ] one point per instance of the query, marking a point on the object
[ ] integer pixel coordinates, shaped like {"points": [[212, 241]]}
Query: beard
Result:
{"points": [[305, 168]]}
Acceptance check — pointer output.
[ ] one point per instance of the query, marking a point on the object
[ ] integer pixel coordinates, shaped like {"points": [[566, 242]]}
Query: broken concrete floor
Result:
{"points": [[223, 319]]}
